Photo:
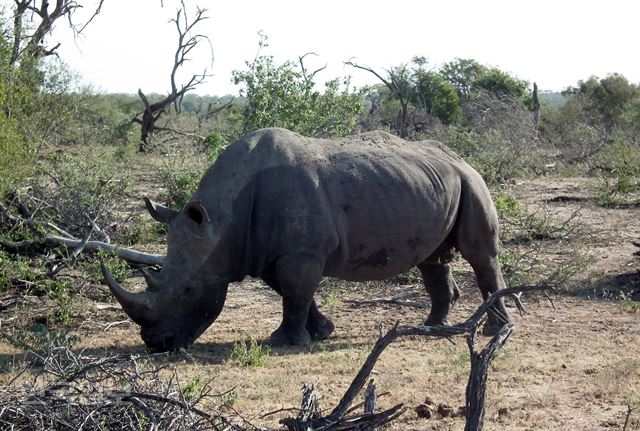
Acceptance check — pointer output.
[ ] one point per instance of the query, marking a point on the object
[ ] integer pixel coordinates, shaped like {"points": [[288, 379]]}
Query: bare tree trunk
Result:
{"points": [[535, 104], [186, 42], [477, 384]]}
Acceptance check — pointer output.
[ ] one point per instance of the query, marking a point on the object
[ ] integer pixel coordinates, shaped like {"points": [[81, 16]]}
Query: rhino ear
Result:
{"points": [[158, 212], [197, 212]]}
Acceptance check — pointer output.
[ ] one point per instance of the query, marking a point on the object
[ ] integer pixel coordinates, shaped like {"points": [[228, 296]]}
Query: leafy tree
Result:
{"points": [[285, 95], [435, 95], [417, 89], [606, 100], [500, 83], [462, 73], [36, 95], [16, 153]]}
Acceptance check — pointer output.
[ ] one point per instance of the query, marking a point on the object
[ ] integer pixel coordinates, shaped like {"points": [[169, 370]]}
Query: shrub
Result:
{"points": [[617, 167], [180, 178], [285, 95], [38, 338], [118, 267], [214, 144], [250, 353], [495, 156], [194, 390]]}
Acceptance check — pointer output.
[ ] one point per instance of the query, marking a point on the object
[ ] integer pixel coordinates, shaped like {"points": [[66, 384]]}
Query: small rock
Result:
{"points": [[444, 410], [428, 401], [424, 411], [504, 412]]}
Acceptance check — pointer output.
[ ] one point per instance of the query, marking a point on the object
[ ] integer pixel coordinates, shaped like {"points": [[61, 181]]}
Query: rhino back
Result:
{"points": [[368, 206]]}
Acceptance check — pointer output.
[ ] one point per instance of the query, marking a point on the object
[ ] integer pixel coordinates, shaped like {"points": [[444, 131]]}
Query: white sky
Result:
{"points": [[130, 45]]}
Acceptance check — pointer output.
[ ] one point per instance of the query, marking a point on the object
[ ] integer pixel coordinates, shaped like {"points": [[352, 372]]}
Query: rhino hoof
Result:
{"points": [[320, 330], [436, 322], [491, 328], [281, 337]]}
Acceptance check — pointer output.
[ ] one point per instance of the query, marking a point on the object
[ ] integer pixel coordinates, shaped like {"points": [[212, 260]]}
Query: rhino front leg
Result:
{"points": [[297, 278]]}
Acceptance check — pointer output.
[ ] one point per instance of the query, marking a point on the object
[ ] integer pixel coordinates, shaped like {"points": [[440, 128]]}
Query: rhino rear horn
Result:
{"points": [[140, 307], [159, 212]]}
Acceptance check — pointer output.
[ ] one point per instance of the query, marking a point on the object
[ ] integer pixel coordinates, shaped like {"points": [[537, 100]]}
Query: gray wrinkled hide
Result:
{"points": [[291, 209], [368, 207]]}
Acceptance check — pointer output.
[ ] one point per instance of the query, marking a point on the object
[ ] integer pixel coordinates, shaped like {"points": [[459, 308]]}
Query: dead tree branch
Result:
{"points": [[71, 391], [477, 378], [132, 256], [309, 77], [398, 85], [477, 384], [32, 46], [187, 41]]}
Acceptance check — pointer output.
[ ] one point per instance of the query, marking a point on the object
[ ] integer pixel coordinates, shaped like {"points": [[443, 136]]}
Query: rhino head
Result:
{"points": [[188, 294]]}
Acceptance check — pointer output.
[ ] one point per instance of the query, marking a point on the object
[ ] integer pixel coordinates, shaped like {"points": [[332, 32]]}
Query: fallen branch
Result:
{"points": [[397, 299], [132, 256]]}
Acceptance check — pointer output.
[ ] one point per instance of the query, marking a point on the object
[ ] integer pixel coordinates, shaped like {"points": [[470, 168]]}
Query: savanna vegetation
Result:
{"points": [[74, 165]]}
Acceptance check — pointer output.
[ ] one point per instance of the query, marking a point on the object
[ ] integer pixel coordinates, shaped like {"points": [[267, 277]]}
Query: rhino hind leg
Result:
{"points": [[489, 277], [296, 279], [318, 325], [477, 240], [440, 285]]}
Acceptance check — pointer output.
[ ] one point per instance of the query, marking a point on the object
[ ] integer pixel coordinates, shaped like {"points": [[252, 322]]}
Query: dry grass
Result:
{"points": [[573, 368]]}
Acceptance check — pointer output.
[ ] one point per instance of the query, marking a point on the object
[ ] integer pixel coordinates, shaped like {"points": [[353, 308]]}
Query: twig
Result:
{"points": [[31, 222], [626, 419]]}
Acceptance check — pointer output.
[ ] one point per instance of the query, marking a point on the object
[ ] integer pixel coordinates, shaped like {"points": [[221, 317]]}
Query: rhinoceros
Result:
{"points": [[292, 210]]}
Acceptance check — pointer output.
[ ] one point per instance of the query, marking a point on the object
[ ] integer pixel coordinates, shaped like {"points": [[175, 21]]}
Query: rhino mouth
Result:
{"points": [[165, 341]]}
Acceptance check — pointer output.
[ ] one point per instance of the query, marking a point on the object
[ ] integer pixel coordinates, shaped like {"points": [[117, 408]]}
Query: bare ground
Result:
{"points": [[575, 367]]}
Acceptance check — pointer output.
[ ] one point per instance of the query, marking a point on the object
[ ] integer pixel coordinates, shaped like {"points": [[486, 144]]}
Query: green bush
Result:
{"points": [[617, 167], [285, 95], [139, 229], [214, 144], [118, 267], [497, 157], [179, 178], [194, 390], [39, 338], [250, 353], [16, 162]]}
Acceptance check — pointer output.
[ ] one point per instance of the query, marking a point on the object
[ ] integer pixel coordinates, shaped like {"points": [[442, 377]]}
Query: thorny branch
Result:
{"points": [[82, 396]]}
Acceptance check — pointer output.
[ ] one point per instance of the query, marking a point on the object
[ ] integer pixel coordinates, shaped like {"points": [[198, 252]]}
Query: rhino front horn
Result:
{"points": [[141, 307]]}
